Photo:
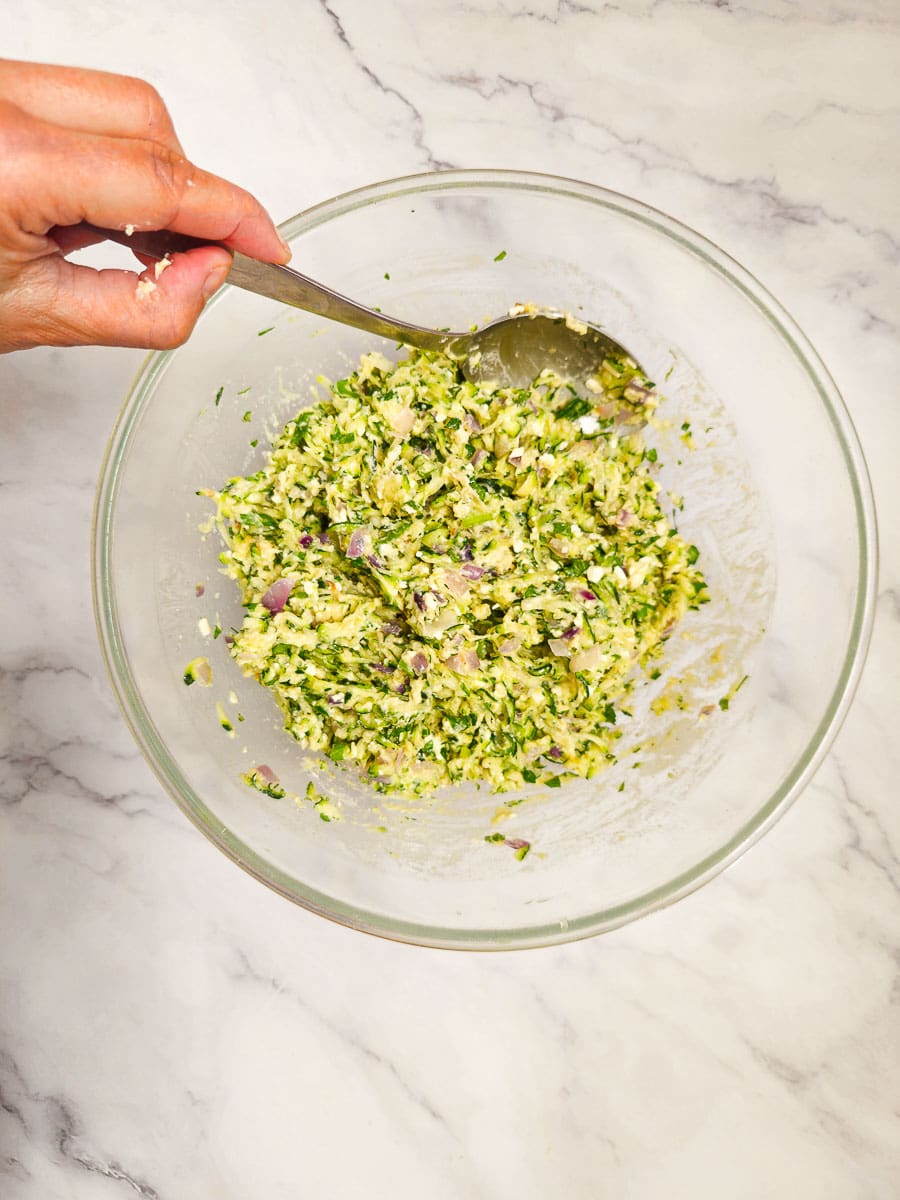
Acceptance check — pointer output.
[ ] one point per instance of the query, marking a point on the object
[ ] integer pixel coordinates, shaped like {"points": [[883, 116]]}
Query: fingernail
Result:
{"points": [[288, 252], [215, 279]]}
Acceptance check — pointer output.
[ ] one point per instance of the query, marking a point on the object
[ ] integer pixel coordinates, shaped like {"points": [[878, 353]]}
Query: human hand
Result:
{"points": [[78, 145]]}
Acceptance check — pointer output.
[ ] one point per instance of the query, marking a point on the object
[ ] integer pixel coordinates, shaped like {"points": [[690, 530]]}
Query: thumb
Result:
{"points": [[156, 310]]}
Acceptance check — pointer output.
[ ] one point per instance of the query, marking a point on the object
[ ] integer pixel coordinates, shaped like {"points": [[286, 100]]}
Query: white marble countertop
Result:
{"points": [[169, 1028]]}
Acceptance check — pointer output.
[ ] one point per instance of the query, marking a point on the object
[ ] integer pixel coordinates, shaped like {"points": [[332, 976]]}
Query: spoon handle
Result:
{"points": [[284, 284]]}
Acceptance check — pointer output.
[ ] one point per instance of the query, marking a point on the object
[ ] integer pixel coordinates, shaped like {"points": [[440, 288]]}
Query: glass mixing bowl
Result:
{"points": [[775, 495]]}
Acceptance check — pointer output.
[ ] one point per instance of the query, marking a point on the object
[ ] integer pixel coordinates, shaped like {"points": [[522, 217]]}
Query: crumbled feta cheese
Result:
{"points": [[588, 424]]}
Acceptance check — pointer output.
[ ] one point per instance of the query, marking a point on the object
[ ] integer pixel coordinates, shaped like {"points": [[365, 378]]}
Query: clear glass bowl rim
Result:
{"points": [[166, 768]]}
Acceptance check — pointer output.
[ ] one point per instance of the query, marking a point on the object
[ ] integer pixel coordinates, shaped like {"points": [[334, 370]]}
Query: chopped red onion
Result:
{"points": [[392, 627], [374, 561], [277, 595], [555, 752], [265, 772], [510, 646], [419, 662], [472, 423], [456, 584], [516, 843], [306, 541], [356, 547], [586, 594], [471, 570], [559, 647], [478, 458], [465, 554], [324, 538], [419, 601], [572, 631], [199, 589], [463, 663], [637, 392], [383, 668], [624, 518]]}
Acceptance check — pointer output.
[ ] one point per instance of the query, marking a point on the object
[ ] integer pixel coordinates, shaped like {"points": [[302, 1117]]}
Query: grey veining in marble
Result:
{"points": [[168, 1028]]}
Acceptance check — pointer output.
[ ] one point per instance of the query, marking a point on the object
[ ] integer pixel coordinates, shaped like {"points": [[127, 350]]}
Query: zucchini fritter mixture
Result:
{"points": [[446, 581]]}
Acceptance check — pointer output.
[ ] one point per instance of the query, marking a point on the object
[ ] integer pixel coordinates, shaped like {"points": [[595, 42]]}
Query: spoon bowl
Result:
{"points": [[513, 350]]}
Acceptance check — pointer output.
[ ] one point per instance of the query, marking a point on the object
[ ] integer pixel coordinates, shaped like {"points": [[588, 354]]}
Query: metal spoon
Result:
{"points": [[509, 352]]}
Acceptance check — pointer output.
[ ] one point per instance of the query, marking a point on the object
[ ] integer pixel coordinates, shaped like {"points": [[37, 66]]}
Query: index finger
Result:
{"points": [[122, 182]]}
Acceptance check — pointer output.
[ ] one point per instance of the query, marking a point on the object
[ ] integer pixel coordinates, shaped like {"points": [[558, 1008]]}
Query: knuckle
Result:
{"points": [[154, 114], [171, 172]]}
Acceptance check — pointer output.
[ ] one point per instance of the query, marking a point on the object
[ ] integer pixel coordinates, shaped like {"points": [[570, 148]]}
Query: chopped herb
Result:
{"points": [[577, 407], [219, 395], [500, 257], [247, 415], [262, 332]]}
